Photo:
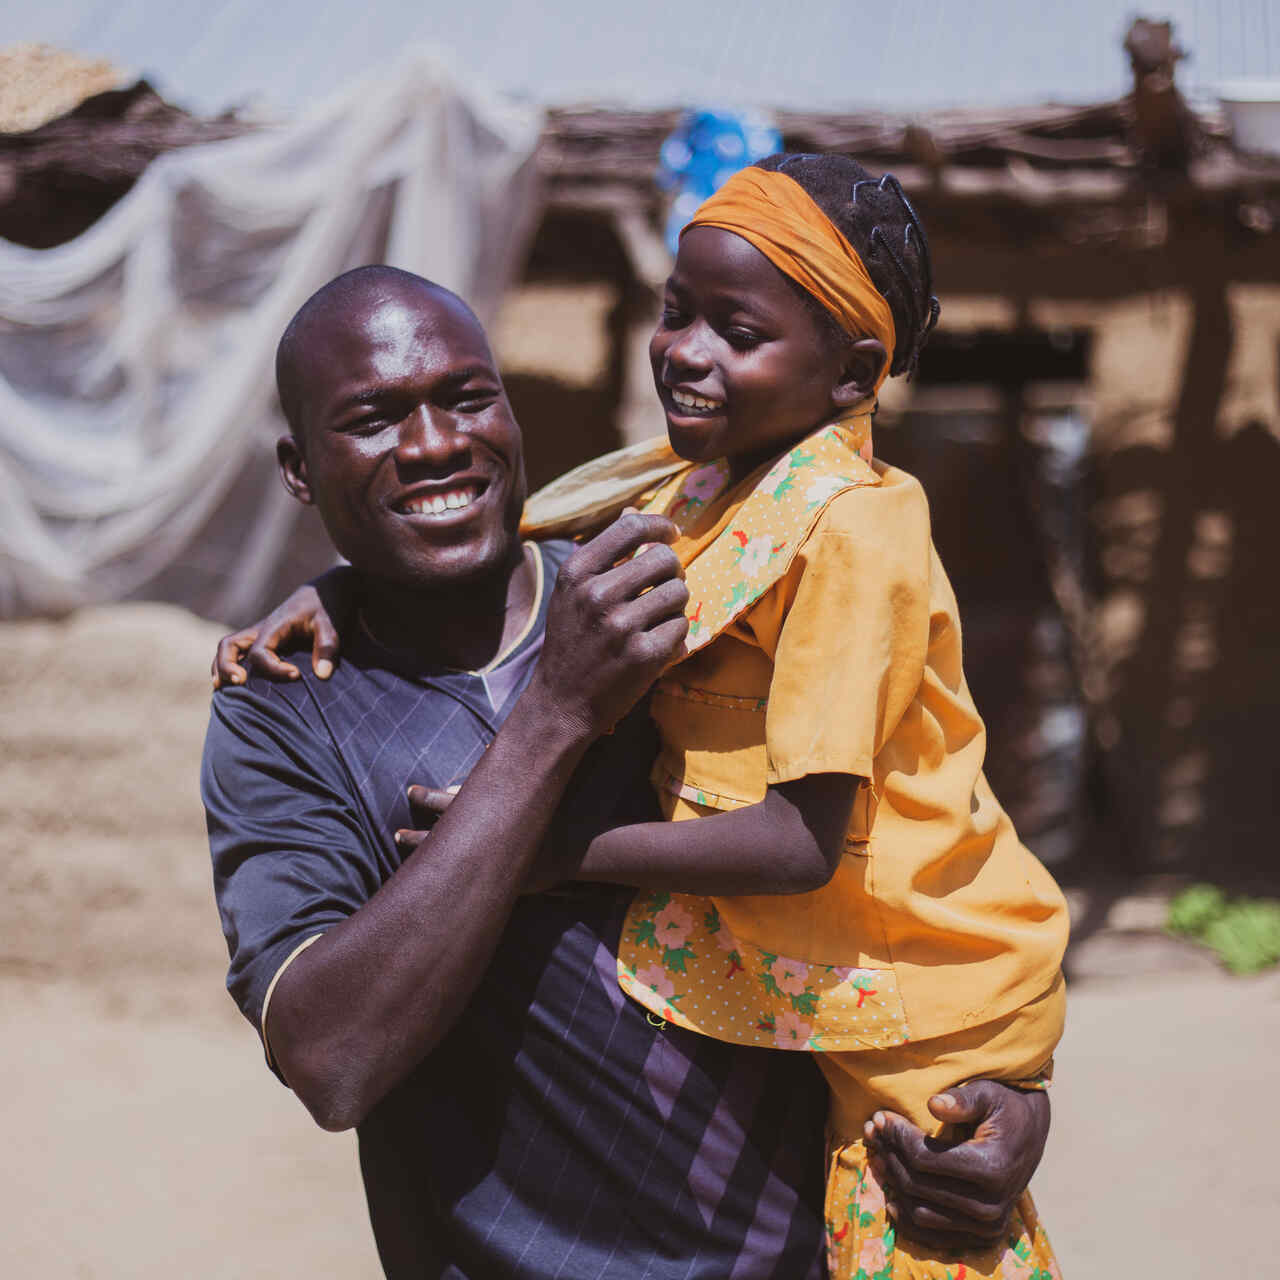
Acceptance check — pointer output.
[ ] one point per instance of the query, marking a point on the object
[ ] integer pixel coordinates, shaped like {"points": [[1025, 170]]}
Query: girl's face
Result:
{"points": [[742, 366]]}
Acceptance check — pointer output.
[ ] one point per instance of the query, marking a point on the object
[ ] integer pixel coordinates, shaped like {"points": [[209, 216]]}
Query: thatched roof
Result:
{"points": [[1012, 198], [1129, 175], [58, 178], [1033, 156], [38, 83]]}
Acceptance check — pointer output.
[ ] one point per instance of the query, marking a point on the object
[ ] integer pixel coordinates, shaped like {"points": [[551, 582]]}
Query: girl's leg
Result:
{"points": [[863, 1245]]}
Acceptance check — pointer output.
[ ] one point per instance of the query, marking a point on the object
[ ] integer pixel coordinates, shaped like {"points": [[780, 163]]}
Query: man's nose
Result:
{"points": [[429, 435]]}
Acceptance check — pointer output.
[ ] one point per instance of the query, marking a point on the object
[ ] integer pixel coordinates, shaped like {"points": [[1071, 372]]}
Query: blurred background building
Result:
{"points": [[1096, 419]]}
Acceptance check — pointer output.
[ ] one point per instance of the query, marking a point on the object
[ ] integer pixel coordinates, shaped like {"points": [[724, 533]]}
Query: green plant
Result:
{"points": [[1244, 932]]}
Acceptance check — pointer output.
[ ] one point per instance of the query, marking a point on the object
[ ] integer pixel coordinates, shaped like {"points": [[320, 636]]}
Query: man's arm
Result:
{"points": [[355, 1012]]}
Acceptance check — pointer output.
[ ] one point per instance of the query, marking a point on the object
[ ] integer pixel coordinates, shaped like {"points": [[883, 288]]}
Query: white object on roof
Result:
{"points": [[1252, 108]]}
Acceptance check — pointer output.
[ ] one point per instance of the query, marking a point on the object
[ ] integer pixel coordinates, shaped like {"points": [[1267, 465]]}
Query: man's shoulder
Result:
{"points": [[260, 698], [265, 727]]}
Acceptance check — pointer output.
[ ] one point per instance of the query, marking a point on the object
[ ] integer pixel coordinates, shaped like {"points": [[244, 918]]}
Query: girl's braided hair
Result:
{"points": [[876, 217]]}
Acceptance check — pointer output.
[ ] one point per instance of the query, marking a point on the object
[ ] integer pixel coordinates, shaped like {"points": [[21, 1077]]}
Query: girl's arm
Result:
{"points": [[309, 613], [790, 842]]}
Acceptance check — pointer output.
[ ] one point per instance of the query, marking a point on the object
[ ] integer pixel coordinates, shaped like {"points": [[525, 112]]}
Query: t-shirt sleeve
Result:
{"points": [[847, 628], [291, 855]]}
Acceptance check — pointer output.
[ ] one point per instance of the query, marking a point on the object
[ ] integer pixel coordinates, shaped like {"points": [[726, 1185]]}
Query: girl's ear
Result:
{"points": [[293, 469], [862, 364]]}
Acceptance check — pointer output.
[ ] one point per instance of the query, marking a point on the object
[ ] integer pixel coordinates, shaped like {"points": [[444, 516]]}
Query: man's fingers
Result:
{"points": [[407, 840], [917, 1217], [954, 1107], [941, 1240], [929, 1209], [968, 1103], [945, 1189], [655, 565], [667, 600], [936, 1157], [904, 1182], [664, 640], [625, 535], [226, 659]]}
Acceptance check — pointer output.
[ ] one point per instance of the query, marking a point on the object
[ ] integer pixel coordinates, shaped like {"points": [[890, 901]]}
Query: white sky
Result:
{"points": [[284, 54]]}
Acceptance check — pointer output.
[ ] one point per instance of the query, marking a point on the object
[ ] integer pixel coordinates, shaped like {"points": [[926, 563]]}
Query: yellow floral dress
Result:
{"points": [[824, 637]]}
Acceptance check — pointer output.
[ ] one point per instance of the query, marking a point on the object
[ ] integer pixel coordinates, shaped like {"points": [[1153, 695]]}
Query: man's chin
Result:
{"points": [[447, 567]]}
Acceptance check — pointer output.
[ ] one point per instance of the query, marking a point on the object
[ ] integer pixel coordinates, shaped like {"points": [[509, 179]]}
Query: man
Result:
{"points": [[517, 1115]]}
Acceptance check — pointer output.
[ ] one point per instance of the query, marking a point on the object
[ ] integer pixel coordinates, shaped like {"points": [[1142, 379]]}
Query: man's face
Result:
{"points": [[407, 444]]}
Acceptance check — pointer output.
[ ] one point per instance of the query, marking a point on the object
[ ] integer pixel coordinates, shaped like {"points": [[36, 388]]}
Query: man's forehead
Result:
{"points": [[394, 331], [388, 336]]}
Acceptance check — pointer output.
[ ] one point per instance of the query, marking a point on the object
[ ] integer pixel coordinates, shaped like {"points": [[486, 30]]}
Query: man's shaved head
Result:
{"points": [[334, 304], [401, 433]]}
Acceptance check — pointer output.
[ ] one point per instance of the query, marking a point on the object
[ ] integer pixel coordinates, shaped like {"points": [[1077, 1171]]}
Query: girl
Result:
{"points": [[853, 888]]}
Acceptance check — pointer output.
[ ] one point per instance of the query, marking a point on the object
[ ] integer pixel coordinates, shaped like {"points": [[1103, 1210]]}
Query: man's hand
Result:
{"points": [[960, 1194], [613, 624]]}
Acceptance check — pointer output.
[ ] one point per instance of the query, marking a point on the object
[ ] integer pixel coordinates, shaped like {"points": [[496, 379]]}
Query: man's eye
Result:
{"points": [[475, 399], [672, 317], [365, 426]]}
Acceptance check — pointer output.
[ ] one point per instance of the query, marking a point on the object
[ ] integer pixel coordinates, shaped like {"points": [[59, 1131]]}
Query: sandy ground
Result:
{"points": [[145, 1139]]}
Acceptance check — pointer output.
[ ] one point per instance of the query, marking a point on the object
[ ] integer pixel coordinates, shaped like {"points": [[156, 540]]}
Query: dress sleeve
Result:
{"points": [[291, 857], [848, 631]]}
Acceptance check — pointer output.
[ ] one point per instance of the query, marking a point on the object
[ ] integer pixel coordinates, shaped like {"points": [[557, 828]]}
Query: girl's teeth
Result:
{"points": [[687, 401]]}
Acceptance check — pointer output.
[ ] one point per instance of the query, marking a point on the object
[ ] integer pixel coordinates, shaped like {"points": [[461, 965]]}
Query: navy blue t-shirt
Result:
{"points": [[555, 1131]]}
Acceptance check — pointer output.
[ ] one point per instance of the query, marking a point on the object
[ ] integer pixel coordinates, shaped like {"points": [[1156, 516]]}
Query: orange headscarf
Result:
{"points": [[776, 215]]}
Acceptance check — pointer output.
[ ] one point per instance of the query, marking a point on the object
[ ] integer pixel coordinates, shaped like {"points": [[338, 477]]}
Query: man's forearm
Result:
{"points": [[354, 1013], [358, 1010]]}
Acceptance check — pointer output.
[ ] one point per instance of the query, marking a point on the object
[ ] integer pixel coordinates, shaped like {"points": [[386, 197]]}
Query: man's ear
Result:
{"points": [[863, 361], [293, 469]]}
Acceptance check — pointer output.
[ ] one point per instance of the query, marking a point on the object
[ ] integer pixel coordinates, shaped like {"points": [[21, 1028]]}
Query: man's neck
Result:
{"points": [[465, 627]]}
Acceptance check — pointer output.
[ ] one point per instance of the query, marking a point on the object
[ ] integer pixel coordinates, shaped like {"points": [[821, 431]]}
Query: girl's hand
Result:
{"points": [[426, 804], [303, 615]]}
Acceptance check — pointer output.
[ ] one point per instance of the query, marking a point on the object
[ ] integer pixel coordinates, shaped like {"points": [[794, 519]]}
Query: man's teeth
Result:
{"points": [[438, 503], [687, 401]]}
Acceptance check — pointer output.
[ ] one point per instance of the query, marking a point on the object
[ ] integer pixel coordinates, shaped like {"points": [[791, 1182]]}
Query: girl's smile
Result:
{"points": [[742, 363]]}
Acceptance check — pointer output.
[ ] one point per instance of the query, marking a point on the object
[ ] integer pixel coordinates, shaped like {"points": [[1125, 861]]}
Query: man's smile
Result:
{"points": [[439, 502]]}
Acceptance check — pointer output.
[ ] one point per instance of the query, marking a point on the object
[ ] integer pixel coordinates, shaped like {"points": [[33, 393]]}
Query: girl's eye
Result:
{"points": [[742, 339], [672, 317]]}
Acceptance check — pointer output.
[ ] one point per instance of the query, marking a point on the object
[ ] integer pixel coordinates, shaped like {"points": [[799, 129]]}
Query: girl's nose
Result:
{"points": [[689, 349]]}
